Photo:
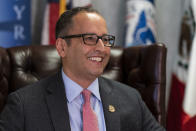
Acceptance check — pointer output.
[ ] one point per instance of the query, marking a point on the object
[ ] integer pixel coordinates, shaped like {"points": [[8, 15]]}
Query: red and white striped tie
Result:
{"points": [[90, 122]]}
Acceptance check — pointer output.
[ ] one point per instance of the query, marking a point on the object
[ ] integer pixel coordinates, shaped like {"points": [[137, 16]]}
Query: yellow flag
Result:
{"points": [[62, 6]]}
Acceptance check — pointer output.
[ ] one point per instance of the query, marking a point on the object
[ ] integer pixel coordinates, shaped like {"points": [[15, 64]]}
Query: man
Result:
{"points": [[77, 98]]}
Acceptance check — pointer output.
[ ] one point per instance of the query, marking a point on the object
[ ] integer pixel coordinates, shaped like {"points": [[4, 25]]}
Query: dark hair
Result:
{"points": [[64, 23]]}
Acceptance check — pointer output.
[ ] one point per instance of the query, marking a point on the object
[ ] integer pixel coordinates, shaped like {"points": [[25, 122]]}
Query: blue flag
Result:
{"points": [[140, 24], [15, 28]]}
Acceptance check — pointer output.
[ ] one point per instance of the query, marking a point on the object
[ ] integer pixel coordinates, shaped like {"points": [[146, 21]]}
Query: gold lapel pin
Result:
{"points": [[111, 108]]}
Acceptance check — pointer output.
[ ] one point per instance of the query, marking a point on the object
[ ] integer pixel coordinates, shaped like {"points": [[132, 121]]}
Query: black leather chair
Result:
{"points": [[142, 67]]}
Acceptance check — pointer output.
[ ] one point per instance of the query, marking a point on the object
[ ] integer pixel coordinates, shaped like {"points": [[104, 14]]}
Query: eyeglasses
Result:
{"points": [[92, 39]]}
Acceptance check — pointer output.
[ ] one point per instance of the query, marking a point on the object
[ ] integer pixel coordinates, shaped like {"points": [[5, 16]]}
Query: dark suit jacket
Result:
{"points": [[43, 107]]}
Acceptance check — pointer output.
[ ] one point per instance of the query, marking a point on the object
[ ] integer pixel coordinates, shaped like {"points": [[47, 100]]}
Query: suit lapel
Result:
{"points": [[57, 104], [110, 106]]}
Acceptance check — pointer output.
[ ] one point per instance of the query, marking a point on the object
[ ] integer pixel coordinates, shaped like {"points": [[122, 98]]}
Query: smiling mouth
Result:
{"points": [[96, 59]]}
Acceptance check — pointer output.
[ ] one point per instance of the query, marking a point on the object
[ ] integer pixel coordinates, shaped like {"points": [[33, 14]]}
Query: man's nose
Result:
{"points": [[100, 45]]}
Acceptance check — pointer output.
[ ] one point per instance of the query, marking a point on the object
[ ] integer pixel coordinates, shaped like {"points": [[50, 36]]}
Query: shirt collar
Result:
{"points": [[73, 89]]}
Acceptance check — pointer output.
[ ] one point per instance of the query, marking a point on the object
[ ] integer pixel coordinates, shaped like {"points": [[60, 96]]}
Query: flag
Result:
{"points": [[50, 18], [140, 23], [15, 28], [179, 117], [189, 102], [52, 12]]}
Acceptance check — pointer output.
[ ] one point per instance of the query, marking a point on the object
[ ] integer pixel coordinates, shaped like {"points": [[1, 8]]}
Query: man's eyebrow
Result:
{"points": [[94, 34]]}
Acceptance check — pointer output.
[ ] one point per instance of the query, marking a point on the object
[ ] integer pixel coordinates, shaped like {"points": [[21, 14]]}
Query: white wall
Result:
{"points": [[114, 13], [168, 17]]}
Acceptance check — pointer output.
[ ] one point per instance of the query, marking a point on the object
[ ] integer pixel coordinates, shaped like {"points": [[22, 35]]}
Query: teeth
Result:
{"points": [[98, 59]]}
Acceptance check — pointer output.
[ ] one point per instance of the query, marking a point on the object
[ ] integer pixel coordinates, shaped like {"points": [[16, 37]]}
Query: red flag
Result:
{"points": [[174, 114], [182, 101], [189, 103], [50, 18]]}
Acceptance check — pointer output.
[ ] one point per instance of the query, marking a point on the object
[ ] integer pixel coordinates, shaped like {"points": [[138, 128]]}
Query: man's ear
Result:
{"points": [[61, 47]]}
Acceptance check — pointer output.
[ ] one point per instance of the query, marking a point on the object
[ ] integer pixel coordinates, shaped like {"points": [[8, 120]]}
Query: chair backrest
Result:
{"points": [[142, 67]]}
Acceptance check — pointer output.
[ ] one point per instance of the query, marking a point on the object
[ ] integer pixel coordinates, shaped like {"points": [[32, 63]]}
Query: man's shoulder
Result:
{"points": [[115, 85], [38, 87]]}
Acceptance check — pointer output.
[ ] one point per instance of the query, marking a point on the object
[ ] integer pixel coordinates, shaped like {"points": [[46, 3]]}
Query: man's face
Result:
{"points": [[84, 61]]}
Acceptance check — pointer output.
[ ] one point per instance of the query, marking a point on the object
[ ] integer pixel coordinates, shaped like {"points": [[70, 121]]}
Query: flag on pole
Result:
{"points": [[140, 23], [62, 6], [51, 16], [15, 27], [54, 9], [189, 102], [182, 102]]}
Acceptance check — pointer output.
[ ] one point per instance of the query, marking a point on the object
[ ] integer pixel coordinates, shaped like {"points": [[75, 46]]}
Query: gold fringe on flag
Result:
{"points": [[62, 6]]}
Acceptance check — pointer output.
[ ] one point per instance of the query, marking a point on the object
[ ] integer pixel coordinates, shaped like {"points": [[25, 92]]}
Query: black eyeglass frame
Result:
{"points": [[98, 37]]}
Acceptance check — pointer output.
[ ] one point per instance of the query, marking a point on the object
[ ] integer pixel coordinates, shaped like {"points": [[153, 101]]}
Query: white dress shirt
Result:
{"points": [[75, 102]]}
